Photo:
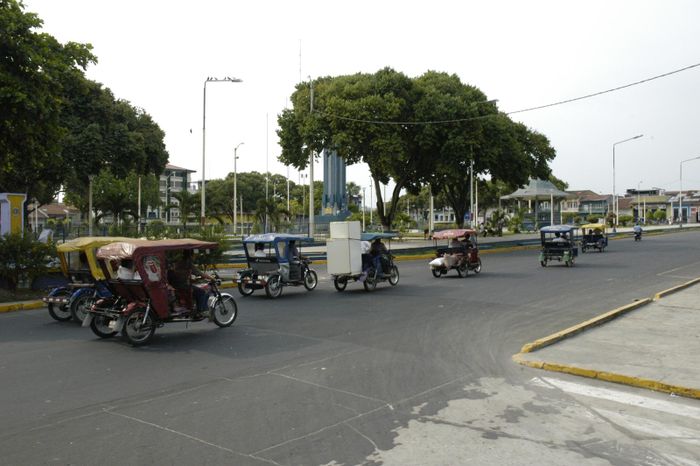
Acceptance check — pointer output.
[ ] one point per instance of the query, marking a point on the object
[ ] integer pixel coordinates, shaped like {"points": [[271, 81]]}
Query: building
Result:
{"points": [[172, 180]]}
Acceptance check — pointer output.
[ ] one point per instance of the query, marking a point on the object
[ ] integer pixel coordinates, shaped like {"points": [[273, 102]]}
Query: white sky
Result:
{"points": [[157, 54]]}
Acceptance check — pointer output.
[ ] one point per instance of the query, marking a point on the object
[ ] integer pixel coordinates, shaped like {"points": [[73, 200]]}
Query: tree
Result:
{"points": [[35, 70], [187, 203]]}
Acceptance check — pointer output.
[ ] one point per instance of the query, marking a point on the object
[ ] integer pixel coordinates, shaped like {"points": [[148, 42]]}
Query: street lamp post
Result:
{"points": [[680, 195], [615, 205], [639, 186], [204, 139], [363, 209], [235, 186]]}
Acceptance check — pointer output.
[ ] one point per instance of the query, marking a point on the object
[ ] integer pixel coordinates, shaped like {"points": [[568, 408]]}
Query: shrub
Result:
{"points": [[22, 258], [625, 219], [593, 218]]}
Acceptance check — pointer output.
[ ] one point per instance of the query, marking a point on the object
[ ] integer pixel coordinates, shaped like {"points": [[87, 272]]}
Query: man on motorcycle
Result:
{"points": [[637, 232]]}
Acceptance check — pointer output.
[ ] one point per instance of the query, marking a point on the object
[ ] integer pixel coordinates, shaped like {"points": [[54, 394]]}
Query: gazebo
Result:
{"points": [[541, 192]]}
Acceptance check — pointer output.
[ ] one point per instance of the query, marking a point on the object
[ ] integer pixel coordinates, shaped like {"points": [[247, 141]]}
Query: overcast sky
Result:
{"points": [[157, 54]]}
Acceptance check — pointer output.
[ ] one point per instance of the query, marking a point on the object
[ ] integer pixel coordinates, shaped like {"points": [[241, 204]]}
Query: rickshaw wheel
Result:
{"points": [[224, 311], [370, 282], [60, 313], [477, 269], [273, 288], [394, 276], [310, 280], [436, 273], [543, 263], [340, 283], [79, 307], [245, 289], [100, 327], [136, 331]]}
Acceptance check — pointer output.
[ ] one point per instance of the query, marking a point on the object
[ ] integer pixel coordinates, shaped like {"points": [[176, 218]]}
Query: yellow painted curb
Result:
{"points": [[558, 336], [667, 292], [22, 306], [610, 377]]}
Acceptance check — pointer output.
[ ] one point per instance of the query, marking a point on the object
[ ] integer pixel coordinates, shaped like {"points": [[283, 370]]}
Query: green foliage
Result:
{"points": [[22, 258], [610, 219], [659, 215], [593, 218], [515, 222], [624, 220], [495, 223], [189, 205]]}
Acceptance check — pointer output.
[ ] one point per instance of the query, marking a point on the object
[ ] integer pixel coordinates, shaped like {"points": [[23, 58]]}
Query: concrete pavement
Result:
{"points": [[651, 343]]}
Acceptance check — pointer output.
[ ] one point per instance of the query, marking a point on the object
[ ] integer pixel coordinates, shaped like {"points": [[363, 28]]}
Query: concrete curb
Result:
{"points": [[24, 305], [602, 375]]}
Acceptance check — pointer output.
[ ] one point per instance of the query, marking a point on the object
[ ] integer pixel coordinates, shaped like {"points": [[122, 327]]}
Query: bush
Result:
{"points": [[23, 259], [625, 219], [593, 218], [660, 215]]}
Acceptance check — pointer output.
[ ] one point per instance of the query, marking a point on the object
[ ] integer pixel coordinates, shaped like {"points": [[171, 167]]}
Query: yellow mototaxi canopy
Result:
{"points": [[87, 244], [593, 226]]}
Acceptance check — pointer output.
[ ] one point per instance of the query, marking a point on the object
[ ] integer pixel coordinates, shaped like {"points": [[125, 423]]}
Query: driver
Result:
{"points": [[377, 251], [259, 250], [179, 277]]}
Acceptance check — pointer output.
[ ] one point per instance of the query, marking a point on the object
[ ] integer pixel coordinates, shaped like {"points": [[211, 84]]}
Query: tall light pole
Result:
{"points": [[312, 222], [204, 139], [235, 185], [680, 196], [363, 209], [615, 205], [639, 186]]}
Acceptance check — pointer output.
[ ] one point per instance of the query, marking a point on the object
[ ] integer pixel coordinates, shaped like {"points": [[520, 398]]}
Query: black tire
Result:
{"points": [[61, 312], [543, 263], [370, 282], [100, 327], [394, 276], [137, 331], [436, 273], [245, 289], [340, 283], [80, 306], [310, 280], [224, 311], [463, 270], [273, 288], [477, 269]]}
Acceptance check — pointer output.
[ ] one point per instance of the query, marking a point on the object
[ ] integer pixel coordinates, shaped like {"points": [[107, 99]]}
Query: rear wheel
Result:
{"points": [[543, 263], [340, 283], [273, 288], [245, 289], [310, 280], [463, 270], [370, 282], [139, 327], [100, 326], [60, 312], [436, 273], [80, 306], [224, 311], [394, 276]]}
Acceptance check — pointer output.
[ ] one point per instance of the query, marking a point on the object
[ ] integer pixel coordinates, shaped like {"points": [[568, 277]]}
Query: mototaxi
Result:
{"points": [[594, 236], [375, 268], [558, 243], [141, 305], [275, 261], [461, 253], [86, 280]]}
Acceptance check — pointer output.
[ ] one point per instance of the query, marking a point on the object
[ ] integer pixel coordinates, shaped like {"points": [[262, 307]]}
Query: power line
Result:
{"points": [[530, 109]]}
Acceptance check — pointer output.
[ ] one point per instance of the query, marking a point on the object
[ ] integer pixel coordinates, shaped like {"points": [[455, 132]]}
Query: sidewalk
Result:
{"points": [[651, 344]]}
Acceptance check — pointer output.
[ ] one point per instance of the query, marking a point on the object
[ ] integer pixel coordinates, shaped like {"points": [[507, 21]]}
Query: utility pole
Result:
{"points": [[311, 168]]}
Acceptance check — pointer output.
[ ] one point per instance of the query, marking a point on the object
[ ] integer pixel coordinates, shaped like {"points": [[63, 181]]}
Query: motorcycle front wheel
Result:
{"points": [[310, 280], [224, 311]]}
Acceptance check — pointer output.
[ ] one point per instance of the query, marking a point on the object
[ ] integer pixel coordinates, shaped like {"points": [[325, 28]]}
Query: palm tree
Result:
{"points": [[188, 203], [268, 208]]}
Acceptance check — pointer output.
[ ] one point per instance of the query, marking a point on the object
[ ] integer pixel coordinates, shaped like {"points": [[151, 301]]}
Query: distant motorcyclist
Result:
{"points": [[637, 232]]}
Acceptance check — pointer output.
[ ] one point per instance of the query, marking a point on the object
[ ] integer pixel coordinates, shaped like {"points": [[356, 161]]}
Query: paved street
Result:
{"points": [[416, 374]]}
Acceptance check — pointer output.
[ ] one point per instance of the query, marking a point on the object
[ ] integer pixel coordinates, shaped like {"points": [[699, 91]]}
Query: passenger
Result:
{"points": [[294, 253], [127, 271], [558, 238], [259, 250]]}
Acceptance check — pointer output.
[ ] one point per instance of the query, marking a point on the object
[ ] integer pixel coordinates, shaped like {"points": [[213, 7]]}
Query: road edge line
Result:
{"points": [[672, 290], [639, 382], [22, 306], [590, 323]]}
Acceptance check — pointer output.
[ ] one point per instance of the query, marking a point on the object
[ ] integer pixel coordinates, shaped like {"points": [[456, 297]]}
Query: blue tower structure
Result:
{"points": [[334, 201]]}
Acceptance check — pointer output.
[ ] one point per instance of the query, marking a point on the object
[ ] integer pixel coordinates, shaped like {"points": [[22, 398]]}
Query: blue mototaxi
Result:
{"points": [[275, 261], [558, 243]]}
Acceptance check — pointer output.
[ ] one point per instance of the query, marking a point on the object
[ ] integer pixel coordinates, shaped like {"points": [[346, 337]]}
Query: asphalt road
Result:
{"points": [[420, 373]]}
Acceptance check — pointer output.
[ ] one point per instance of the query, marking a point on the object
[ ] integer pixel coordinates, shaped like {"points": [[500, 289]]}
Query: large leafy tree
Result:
{"points": [[35, 72], [411, 131]]}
